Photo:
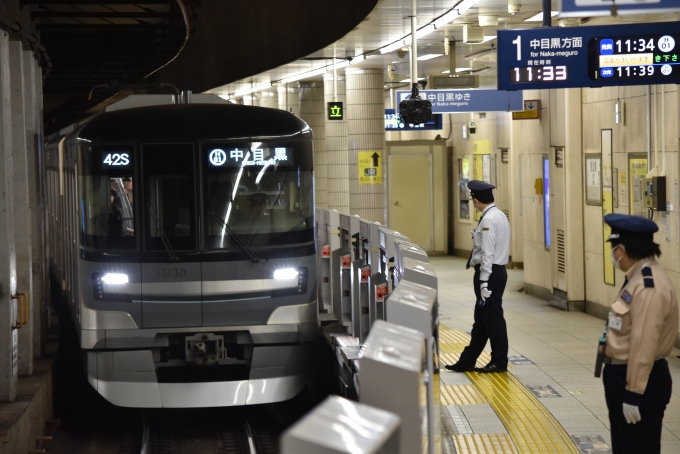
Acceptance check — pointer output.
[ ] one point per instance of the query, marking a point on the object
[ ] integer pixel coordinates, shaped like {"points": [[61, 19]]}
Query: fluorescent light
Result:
{"points": [[458, 70], [314, 72], [225, 97], [253, 89], [426, 30], [409, 80], [446, 18], [487, 38], [465, 5], [394, 46], [539, 17], [115, 279], [429, 56], [286, 273]]}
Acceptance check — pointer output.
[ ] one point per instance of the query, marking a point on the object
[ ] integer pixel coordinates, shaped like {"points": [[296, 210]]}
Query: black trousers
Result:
{"points": [[644, 436], [489, 321]]}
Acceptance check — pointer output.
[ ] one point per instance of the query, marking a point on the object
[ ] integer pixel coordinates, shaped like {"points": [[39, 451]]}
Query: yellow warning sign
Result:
{"points": [[532, 111], [370, 167]]}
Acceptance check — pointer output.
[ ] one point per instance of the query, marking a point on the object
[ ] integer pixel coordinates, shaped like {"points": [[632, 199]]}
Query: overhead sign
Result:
{"points": [[394, 123], [587, 8], [455, 101], [601, 56], [335, 111], [532, 111], [370, 167]]}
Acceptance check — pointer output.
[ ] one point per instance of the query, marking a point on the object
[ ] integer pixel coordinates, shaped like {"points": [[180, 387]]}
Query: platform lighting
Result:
{"points": [[446, 18], [409, 80], [428, 57], [305, 75], [539, 17], [115, 279], [253, 89]]}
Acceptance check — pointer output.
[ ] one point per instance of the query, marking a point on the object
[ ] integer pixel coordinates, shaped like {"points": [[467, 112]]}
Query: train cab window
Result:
{"points": [[106, 188], [257, 193], [169, 197]]}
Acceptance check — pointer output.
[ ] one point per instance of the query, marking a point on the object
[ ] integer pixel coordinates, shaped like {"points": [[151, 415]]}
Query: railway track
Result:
{"points": [[206, 432]]}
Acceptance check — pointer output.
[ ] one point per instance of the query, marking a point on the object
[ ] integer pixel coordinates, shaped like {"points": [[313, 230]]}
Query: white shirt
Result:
{"points": [[491, 241]]}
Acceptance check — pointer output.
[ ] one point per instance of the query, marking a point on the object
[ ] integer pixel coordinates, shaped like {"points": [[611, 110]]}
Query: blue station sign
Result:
{"points": [[456, 101], [589, 8], [601, 56]]}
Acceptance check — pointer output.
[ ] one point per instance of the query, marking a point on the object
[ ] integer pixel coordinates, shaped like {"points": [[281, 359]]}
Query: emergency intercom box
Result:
{"points": [[654, 193]]}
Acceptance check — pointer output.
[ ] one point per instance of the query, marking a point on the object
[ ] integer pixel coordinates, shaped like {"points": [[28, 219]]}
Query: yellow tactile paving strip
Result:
{"points": [[529, 424], [461, 395], [484, 444]]}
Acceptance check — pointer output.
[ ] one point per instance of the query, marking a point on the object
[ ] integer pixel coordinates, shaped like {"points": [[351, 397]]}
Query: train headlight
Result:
{"points": [[286, 273], [115, 279]]}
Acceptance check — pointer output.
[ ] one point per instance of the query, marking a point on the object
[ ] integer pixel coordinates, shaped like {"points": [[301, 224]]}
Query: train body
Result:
{"points": [[183, 238]]}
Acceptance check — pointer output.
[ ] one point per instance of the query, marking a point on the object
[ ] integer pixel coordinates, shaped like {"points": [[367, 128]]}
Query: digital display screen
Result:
{"points": [[635, 57], [523, 74], [116, 159], [248, 155], [393, 123]]}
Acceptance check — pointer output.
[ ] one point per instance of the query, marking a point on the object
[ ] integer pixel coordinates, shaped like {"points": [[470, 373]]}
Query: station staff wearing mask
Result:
{"points": [[641, 330], [489, 256]]}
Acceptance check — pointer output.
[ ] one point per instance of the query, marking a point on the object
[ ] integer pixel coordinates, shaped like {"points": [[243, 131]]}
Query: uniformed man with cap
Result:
{"points": [[641, 330], [489, 256]]}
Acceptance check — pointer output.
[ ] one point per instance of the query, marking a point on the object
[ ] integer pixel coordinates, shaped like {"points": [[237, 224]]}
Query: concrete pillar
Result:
{"points": [[313, 112], [8, 278], [337, 170], [573, 198], [22, 204], [288, 98], [366, 132], [269, 99], [33, 137]]}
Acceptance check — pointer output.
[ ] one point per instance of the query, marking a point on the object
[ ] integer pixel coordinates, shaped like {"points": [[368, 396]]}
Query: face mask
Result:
{"points": [[616, 263]]}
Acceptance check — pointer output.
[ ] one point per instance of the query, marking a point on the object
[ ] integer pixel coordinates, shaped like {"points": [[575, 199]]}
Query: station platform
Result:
{"points": [[548, 401]]}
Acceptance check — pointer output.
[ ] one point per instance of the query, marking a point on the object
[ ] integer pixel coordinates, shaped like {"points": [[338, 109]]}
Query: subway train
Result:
{"points": [[182, 235]]}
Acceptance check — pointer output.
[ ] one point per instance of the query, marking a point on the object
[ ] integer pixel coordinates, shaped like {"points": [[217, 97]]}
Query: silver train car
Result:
{"points": [[183, 237]]}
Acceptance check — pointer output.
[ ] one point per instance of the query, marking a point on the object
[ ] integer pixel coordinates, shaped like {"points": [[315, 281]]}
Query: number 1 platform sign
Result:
{"points": [[599, 56]]}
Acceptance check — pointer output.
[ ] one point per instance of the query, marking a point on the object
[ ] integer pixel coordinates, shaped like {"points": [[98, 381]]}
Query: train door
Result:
{"points": [[171, 280]]}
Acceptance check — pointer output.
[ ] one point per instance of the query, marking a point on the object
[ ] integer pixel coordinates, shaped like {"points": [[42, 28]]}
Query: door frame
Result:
{"points": [[389, 192]]}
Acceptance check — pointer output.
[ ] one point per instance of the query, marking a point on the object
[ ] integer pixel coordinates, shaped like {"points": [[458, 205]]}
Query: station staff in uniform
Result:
{"points": [[640, 332], [489, 256]]}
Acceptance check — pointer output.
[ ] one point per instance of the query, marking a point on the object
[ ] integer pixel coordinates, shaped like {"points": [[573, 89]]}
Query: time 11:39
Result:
{"points": [[538, 73]]}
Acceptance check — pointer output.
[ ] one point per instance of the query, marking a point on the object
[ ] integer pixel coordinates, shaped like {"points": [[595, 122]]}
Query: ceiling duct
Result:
{"points": [[472, 34]]}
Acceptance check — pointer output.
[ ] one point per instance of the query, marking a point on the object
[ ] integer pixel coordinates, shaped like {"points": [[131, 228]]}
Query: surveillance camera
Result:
{"points": [[401, 53]]}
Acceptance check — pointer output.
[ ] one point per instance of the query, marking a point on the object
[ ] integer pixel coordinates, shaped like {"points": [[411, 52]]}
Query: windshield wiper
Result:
{"points": [[238, 240], [164, 237]]}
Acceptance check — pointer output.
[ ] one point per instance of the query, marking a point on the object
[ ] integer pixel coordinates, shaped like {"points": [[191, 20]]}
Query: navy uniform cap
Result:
{"points": [[476, 186], [630, 226]]}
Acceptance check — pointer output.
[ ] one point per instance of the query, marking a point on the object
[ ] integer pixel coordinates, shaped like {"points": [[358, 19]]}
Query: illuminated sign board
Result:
{"points": [[245, 156], [477, 100], [116, 160], [335, 111], [393, 123], [589, 8], [599, 56]]}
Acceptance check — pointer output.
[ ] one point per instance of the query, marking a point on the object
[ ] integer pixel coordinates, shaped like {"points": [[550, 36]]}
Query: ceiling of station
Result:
{"points": [[390, 21]]}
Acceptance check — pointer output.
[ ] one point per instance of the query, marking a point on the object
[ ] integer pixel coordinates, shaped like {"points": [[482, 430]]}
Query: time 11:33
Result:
{"points": [[538, 74]]}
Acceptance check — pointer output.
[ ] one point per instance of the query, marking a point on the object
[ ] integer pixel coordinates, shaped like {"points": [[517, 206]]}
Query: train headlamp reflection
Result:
{"points": [[286, 273], [115, 278]]}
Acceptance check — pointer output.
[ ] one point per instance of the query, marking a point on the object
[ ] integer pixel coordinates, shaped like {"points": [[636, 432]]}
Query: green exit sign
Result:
{"points": [[335, 110]]}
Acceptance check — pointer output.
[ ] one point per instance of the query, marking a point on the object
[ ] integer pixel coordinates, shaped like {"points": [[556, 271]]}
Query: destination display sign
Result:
{"points": [[565, 57], [455, 101]]}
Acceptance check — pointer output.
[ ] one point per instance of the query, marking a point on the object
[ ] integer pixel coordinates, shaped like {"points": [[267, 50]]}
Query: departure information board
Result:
{"points": [[599, 56]]}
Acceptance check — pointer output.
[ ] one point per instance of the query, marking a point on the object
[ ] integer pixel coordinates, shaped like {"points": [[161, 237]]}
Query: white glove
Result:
{"points": [[631, 413], [484, 290]]}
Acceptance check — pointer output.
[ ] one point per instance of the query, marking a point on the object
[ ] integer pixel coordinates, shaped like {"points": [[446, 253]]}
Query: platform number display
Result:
{"points": [[116, 159]]}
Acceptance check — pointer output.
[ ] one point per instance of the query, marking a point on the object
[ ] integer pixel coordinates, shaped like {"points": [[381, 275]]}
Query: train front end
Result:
{"points": [[197, 259]]}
